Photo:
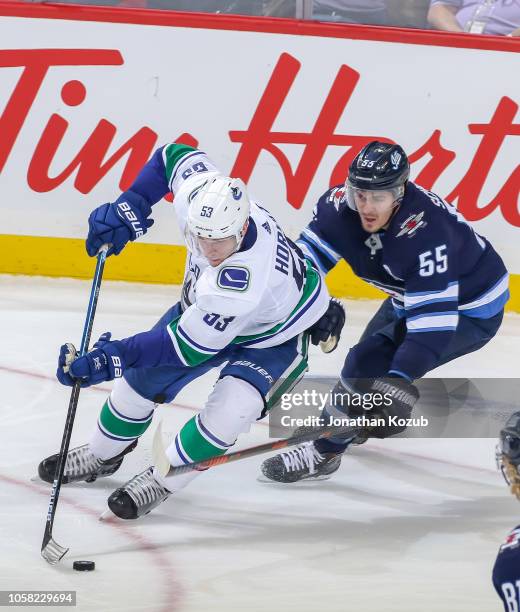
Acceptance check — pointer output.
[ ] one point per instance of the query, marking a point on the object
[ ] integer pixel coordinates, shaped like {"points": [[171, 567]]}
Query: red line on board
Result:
{"points": [[266, 25]]}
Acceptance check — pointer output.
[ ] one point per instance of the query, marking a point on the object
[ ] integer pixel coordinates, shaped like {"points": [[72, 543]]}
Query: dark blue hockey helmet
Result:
{"points": [[379, 166], [510, 438], [508, 452]]}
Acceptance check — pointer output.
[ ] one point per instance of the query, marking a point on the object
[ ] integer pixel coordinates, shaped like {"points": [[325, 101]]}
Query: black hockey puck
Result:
{"points": [[84, 566]]}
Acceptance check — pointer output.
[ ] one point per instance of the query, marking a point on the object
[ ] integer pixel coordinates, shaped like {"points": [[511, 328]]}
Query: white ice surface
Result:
{"points": [[404, 526]]}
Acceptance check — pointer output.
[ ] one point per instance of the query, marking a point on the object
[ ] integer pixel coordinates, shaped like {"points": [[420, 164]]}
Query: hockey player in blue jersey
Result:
{"points": [[448, 288], [506, 572]]}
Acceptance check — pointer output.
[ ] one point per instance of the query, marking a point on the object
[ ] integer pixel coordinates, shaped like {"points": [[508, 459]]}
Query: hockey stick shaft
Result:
{"points": [[324, 432], [51, 551]]}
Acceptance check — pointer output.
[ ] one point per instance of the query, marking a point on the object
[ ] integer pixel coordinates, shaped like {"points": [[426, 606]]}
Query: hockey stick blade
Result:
{"points": [[52, 552], [160, 459]]}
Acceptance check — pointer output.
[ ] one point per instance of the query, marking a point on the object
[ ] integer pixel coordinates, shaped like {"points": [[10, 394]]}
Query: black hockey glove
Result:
{"points": [[391, 399], [327, 330]]}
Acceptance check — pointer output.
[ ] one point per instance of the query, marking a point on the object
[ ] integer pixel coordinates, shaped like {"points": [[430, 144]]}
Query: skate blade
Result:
{"points": [[264, 479], [107, 515]]}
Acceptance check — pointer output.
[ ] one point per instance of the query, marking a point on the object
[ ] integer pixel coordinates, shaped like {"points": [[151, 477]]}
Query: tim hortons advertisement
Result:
{"points": [[84, 104]]}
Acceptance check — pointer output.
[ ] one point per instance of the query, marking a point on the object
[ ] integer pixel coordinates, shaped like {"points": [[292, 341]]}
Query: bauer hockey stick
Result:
{"points": [[162, 463], [52, 552]]}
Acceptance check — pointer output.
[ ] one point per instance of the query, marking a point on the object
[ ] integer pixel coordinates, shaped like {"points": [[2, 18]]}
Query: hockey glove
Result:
{"points": [[390, 398], [104, 362], [117, 223], [327, 330]]}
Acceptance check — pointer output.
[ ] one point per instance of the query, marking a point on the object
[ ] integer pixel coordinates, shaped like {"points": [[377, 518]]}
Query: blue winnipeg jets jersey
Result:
{"points": [[432, 263], [506, 572]]}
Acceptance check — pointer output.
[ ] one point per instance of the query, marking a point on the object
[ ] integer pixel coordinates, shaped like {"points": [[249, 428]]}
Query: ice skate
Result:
{"points": [[300, 463], [82, 465], [138, 496]]}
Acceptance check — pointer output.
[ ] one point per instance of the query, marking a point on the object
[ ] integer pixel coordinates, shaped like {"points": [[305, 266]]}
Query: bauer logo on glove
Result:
{"points": [[125, 210], [117, 223]]}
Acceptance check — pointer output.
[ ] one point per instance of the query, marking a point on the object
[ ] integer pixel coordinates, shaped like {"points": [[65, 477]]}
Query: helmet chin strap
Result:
{"points": [[395, 209], [398, 201], [393, 213]]}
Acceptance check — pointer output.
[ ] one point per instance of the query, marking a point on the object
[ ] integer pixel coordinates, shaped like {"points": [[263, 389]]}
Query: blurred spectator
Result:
{"points": [[275, 8], [408, 13], [497, 17], [352, 11], [240, 7]]}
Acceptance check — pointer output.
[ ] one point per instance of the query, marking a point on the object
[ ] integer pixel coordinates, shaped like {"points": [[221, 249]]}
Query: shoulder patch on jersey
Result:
{"points": [[233, 278], [411, 225], [512, 540], [337, 197]]}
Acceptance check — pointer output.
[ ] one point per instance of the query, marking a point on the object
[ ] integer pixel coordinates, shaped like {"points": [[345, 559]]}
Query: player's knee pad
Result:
{"points": [[128, 402], [232, 407]]}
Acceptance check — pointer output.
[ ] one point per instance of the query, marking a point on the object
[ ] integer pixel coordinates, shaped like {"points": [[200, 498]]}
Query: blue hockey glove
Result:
{"points": [[117, 223], [104, 362], [327, 330]]}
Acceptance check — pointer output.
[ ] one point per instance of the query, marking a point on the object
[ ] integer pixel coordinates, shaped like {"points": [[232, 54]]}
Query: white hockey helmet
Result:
{"points": [[217, 215]]}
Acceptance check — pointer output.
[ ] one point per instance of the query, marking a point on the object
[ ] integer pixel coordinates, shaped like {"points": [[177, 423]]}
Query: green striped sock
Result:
{"points": [[197, 444], [116, 425]]}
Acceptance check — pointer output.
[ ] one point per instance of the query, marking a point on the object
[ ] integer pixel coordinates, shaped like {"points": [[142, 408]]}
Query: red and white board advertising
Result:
{"points": [[86, 95]]}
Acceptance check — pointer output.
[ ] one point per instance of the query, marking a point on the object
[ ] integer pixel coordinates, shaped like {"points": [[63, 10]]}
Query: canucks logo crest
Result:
{"points": [[233, 278]]}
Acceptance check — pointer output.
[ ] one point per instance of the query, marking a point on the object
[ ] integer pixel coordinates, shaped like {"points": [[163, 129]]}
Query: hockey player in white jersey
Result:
{"points": [[248, 298]]}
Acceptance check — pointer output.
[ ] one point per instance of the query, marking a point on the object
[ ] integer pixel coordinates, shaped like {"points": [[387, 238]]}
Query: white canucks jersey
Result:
{"points": [[263, 295]]}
